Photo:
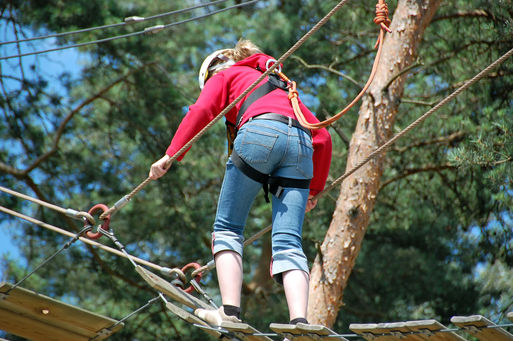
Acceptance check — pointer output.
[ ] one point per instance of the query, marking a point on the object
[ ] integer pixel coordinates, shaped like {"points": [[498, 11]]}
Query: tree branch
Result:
{"points": [[478, 13], [449, 139], [63, 124], [327, 68], [400, 73], [412, 171]]}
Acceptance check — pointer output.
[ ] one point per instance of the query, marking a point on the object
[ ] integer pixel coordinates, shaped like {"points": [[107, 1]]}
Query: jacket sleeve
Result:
{"points": [[321, 141], [209, 104], [321, 159]]}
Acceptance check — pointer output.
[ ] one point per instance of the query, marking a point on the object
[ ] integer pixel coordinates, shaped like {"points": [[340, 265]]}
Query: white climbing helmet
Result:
{"points": [[206, 68]]}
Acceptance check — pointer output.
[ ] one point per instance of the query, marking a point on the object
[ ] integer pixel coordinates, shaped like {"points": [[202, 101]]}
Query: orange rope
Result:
{"points": [[383, 21]]}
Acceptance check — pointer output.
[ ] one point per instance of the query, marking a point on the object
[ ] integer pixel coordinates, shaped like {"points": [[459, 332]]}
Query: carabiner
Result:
{"points": [[197, 278], [103, 226], [272, 60]]}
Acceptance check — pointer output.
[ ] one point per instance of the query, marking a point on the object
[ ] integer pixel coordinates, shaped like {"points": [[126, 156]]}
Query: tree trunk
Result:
{"points": [[334, 263]]}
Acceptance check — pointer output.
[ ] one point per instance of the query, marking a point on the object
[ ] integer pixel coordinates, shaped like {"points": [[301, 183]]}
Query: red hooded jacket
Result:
{"points": [[224, 87]]}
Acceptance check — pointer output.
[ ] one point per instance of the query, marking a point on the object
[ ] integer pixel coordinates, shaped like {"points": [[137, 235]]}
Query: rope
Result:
{"points": [[65, 246], [128, 20], [153, 29], [418, 121], [230, 106], [67, 211], [106, 331], [383, 21], [85, 240]]}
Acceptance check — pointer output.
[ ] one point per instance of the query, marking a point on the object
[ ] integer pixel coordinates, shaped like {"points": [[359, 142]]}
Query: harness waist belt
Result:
{"points": [[272, 184], [284, 119]]}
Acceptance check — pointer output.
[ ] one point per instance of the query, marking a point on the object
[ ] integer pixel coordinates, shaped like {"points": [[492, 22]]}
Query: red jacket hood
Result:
{"points": [[257, 61]]}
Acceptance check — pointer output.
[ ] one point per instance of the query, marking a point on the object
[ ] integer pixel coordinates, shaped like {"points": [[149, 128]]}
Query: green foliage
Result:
{"points": [[439, 241]]}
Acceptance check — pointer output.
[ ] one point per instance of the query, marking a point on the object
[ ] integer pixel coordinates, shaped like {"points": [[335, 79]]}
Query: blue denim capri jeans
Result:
{"points": [[278, 149]]}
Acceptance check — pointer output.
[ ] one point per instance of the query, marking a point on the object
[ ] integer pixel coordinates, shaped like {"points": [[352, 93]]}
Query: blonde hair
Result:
{"points": [[242, 50]]}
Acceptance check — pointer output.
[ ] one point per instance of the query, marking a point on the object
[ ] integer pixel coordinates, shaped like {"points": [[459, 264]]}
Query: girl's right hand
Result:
{"points": [[158, 168]]}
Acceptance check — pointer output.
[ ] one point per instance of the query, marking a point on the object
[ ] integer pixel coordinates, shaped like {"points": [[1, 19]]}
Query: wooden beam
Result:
{"points": [[433, 330], [305, 332], [482, 328], [170, 290], [393, 331], [244, 331], [372, 331], [37, 317]]}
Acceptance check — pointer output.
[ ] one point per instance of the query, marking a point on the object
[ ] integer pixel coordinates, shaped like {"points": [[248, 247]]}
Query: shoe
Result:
{"points": [[215, 317]]}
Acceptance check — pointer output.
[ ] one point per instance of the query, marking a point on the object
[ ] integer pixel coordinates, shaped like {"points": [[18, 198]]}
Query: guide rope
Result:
{"points": [[127, 21], [148, 30]]}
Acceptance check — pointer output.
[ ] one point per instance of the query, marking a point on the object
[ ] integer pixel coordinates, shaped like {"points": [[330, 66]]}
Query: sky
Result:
{"points": [[52, 64]]}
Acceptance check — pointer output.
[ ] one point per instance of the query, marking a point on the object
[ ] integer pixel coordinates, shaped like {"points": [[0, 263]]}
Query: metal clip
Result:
{"points": [[103, 332], [153, 29], [427, 332], [315, 337], [471, 329], [397, 334], [368, 336], [72, 213], [279, 191], [121, 202], [271, 60], [134, 19]]}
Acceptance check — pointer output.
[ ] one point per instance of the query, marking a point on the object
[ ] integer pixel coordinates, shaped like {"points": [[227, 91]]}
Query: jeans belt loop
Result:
{"points": [[290, 122]]}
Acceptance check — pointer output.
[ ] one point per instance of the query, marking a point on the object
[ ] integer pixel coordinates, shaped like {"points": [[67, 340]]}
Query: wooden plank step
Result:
{"points": [[243, 331], [394, 331], [372, 331], [170, 290], [37, 317], [305, 332], [482, 328], [431, 330]]}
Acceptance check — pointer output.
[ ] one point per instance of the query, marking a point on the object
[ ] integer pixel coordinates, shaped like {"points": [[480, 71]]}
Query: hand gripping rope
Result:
{"points": [[383, 21]]}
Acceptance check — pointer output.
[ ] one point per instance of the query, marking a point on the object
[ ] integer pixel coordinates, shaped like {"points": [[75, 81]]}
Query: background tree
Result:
{"points": [[439, 233]]}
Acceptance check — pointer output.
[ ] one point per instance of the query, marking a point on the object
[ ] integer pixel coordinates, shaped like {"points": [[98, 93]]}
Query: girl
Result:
{"points": [[272, 149]]}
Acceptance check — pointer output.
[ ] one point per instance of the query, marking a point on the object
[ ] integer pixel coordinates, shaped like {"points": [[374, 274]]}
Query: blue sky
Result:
{"points": [[51, 65]]}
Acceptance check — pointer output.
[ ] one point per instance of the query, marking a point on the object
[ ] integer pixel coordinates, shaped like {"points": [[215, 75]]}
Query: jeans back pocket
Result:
{"points": [[305, 154], [255, 146]]}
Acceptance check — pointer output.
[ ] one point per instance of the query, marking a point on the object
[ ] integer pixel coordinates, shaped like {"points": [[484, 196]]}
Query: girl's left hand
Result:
{"points": [[311, 203]]}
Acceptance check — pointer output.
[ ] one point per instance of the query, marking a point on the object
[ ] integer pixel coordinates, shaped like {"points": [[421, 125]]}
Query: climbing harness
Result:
{"points": [[273, 83], [271, 184]]}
